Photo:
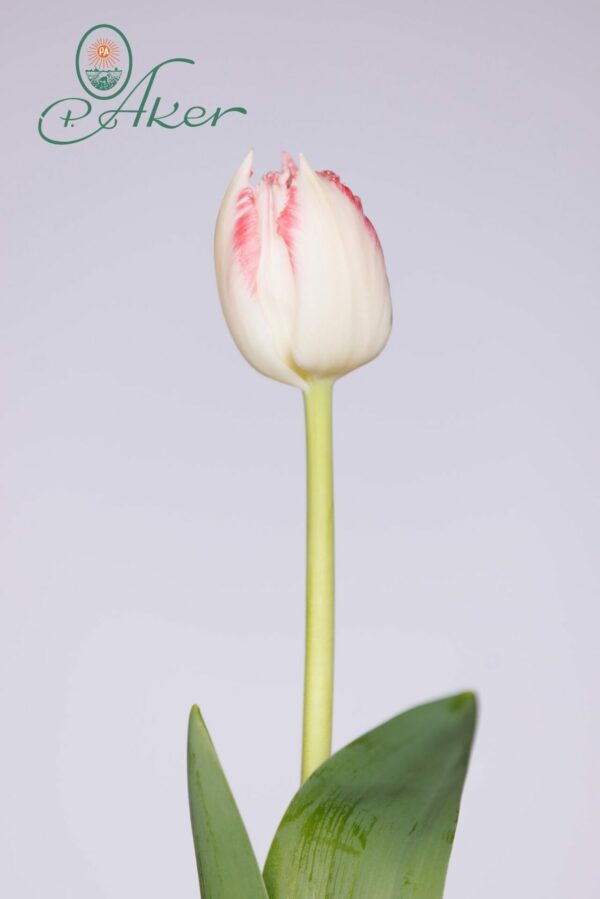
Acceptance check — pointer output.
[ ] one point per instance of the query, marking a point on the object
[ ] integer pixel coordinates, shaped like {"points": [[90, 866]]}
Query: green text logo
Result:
{"points": [[104, 66]]}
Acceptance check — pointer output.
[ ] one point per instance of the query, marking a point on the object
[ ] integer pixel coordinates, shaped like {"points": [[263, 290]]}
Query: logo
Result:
{"points": [[103, 62], [104, 67]]}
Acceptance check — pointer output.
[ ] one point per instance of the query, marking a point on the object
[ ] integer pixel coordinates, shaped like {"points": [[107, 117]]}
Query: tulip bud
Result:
{"points": [[301, 274]]}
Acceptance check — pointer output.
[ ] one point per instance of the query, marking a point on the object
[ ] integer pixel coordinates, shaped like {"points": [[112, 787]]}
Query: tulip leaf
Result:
{"points": [[227, 866], [377, 819]]}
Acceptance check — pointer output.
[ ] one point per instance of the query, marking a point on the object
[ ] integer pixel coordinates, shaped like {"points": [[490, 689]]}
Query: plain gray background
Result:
{"points": [[153, 483]]}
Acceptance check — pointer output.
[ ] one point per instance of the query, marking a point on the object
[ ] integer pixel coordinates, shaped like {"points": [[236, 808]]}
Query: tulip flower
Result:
{"points": [[304, 290], [301, 274]]}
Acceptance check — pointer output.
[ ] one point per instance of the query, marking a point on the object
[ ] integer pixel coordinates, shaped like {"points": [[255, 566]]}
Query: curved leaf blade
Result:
{"points": [[377, 819], [227, 866]]}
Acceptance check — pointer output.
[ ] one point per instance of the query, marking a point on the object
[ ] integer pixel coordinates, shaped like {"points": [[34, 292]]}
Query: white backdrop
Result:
{"points": [[152, 531]]}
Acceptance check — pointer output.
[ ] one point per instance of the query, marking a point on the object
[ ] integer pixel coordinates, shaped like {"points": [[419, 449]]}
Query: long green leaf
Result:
{"points": [[227, 867], [377, 819]]}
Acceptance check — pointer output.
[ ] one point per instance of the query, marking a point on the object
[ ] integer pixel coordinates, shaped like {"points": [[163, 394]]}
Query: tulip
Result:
{"points": [[301, 274], [305, 294]]}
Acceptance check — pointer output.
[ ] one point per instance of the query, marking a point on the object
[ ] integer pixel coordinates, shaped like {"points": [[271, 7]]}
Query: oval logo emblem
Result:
{"points": [[103, 61]]}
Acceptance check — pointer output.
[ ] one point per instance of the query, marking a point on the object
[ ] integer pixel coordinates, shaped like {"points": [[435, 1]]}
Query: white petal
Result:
{"points": [[244, 314], [344, 308], [276, 286]]}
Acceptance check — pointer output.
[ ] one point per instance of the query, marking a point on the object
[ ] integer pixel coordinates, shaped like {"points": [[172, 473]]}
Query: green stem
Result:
{"points": [[318, 674]]}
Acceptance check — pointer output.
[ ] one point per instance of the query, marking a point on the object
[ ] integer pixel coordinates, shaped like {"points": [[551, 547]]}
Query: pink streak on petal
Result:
{"points": [[246, 233], [287, 221], [290, 167], [356, 201], [246, 239], [285, 177], [270, 178]]}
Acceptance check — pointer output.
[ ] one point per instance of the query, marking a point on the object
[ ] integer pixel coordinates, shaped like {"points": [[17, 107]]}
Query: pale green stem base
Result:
{"points": [[318, 676]]}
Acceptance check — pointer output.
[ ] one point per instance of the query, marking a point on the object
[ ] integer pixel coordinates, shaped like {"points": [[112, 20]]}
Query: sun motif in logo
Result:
{"points": [[103, 53]]}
